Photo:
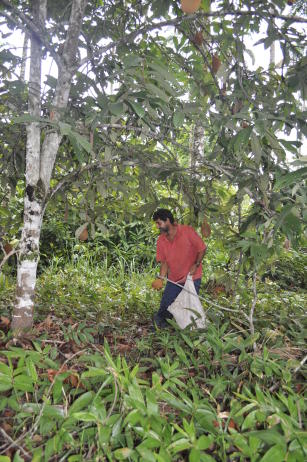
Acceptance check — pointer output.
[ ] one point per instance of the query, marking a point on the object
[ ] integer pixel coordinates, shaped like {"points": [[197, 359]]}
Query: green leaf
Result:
{"points": [[5, 459], [138, 109], [273, 141], [249, 421], [132, 60], [94, 372], [17, 457], [157, 92], [117, 109], [23, 383], [290, 178], [179, 445], [146, 454], [163, 72], [81, 402], [270, 436], [256, 148], [31, 369], [275, 453], [178, 119], [204, 442], [123, 453], [85, 416], [5, 370], [194, 455], [241, 139]]}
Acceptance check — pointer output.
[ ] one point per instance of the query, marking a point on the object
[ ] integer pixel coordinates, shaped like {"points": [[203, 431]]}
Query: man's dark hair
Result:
{"points": [[163, 214]]}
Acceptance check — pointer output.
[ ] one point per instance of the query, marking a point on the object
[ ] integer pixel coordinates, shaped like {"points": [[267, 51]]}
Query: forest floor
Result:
{"points": [[92, 381]]}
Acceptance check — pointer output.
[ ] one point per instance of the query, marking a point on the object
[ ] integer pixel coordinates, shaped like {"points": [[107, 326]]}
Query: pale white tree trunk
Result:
{"points": [[24, 57], [40, 160], [197, 145], [29, 244]]}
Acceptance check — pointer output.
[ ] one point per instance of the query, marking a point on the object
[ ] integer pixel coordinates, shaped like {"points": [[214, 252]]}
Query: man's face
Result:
{"points": [[163, 226]]}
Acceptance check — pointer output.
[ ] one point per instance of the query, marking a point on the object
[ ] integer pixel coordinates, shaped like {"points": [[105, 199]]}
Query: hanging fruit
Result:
{"points": [[82, 232], [84, 235], [205, 229], [7, 248], [190, 6], [216, 63], [198, 38], [287, 244]]}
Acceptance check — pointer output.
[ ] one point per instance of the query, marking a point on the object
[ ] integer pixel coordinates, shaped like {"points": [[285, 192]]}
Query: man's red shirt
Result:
{"points": [[180, 254]]}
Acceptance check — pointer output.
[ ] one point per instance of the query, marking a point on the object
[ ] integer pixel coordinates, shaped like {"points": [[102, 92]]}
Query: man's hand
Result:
{"points": [[193, 269], [157, 284]]}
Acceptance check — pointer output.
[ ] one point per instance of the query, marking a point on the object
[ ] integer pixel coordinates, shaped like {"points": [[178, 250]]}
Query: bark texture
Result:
{"points": [[40, 159], [197, 145]]}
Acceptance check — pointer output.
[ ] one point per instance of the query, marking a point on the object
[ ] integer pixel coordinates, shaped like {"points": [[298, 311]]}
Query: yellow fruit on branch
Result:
{"points": [[190, 6]]}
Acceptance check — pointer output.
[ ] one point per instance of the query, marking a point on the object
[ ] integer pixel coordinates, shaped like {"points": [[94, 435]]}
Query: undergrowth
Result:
{"points": [[93, 382]]}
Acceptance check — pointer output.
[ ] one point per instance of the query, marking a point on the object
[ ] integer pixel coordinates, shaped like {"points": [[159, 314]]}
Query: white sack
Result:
{"points": [[187, 307]]}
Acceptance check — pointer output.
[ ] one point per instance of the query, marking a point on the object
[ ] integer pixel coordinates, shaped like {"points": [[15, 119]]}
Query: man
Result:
{"points": [[180, 251]]}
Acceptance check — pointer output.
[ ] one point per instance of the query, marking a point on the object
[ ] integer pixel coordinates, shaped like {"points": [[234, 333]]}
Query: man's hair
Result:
{"points": [[163, 214]]}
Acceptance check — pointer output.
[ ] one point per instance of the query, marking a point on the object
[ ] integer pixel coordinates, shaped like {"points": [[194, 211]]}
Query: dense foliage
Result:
{"points": [[169, 109]]}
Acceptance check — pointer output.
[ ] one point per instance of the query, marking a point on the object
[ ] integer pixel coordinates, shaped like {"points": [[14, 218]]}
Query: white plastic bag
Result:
{"points": [[187, 307]]}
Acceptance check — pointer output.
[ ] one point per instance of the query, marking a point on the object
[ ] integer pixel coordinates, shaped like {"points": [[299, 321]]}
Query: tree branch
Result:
{"points": [[27, 25], [192, 17]]}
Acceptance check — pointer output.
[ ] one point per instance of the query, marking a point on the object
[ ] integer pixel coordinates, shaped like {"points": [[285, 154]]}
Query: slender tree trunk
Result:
{"points": [[28, 252], [197, 143], [40, 160], [24, 57]]}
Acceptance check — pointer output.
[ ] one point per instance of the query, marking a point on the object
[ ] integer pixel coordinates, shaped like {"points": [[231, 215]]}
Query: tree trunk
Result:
{"points": [[24, 57], [28, 252], [40, 160], [197, 143]]}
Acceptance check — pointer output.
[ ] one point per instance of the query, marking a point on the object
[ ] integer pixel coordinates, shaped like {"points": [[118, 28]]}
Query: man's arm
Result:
{"points": [[163, 269], [198, 261]]}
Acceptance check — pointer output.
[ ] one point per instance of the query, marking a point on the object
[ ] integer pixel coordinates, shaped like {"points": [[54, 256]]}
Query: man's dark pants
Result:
{"points": [[170, 293]]}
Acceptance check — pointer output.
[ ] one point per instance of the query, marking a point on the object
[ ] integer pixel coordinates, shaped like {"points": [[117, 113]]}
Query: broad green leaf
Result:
{"points": [[273, 141], [270, 436], [5, 370], [123, 453], [138, 109], [163, 71], [17, 457], [256, 148], [94, 372], [241, 139], [146, 454], [117, 109], [157, 92], [23, 383], [290, 178], [132, 60], [85, 416], [250, 420], [31, 369], [204, 442], [81, 402], [178, 119], [180, 445], [275, 453]]}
